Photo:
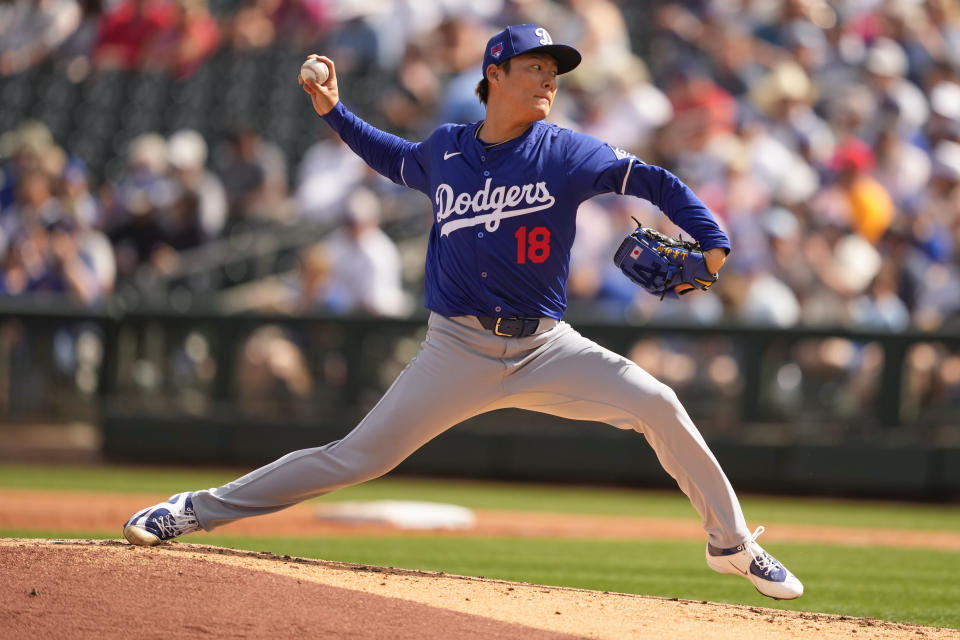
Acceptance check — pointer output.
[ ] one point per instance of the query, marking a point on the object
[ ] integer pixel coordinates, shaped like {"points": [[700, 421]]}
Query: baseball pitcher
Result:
{"points": [[504, 193]]}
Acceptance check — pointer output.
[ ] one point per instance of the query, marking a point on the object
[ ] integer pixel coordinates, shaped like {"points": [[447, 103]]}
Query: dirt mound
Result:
{"points": [[106, 589], [110, 589]]}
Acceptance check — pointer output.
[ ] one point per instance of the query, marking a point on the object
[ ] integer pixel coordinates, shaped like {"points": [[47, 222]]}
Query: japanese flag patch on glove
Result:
{"points": [[659, 263]]}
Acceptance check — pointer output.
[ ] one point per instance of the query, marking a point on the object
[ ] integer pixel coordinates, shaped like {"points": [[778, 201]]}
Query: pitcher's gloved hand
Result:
{"points": [[662, 265]]}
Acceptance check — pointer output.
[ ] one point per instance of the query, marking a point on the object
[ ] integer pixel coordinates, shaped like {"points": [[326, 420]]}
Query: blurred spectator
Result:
{"points": [[903, 168], [272, 373], [945, 110], [31, 29], [97, 251], [182, 221], [408, 102], [187, 155], [35, 206], [459, 52], [329, 173], [355, 44], [301, 23], [901, 104], [307, 289], [938, 300], [141, 238], [251, 26], [254, 175], [29, 147], [555, 16], [143, 182], [81, 206], [126, 30], [701, 108], [597, 233], [943, 34], [808, 46], [604, 38], [364, 262], [139, 198], [182, 45], [845, 264], [786, 96], [315, 288], [48, 242], [767, 301], [856, 199], [47, 260], [880, 307], [76, 51], [785, 234]]}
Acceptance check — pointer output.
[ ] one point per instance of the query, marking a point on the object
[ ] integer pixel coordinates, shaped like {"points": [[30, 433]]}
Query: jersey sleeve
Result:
{"points": [[400, 160], [597, 167]]}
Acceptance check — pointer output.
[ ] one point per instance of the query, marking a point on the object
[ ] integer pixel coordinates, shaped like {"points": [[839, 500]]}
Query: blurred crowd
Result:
{"points": [[825, 137]]}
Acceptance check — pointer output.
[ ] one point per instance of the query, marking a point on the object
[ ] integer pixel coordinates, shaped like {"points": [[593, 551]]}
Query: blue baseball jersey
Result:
{"points": [[504, 218]]}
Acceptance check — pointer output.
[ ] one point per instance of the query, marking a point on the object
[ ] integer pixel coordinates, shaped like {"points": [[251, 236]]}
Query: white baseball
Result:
{"points": [[315, 71]]}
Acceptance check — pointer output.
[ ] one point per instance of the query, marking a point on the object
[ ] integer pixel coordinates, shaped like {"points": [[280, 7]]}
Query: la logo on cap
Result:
{"points": [[518, 39]]}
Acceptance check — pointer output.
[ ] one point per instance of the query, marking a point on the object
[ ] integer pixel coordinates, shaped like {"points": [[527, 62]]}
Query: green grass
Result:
{"points": [[902, 585], [489, 495]]}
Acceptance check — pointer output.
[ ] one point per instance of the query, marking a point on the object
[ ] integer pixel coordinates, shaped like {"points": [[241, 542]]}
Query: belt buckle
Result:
{"points": [[496, 329]]}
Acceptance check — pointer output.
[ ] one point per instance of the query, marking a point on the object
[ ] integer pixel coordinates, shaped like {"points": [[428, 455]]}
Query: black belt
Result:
{"points": [[510, 327]]}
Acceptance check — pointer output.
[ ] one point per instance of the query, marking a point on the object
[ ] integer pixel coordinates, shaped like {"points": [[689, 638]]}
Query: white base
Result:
{"points": [[399, 513]]}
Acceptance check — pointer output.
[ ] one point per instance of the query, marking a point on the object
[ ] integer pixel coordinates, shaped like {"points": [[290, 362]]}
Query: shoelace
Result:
{"points": [[764, 560], [172, 525]]}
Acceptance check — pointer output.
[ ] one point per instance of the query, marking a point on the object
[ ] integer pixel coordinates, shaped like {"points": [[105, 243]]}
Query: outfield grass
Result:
{"points": [[905, 585], [509, 496]]}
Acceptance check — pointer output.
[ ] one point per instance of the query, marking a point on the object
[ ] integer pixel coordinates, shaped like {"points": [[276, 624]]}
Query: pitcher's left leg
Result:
{"points": [[569, 376], [573, 377]]}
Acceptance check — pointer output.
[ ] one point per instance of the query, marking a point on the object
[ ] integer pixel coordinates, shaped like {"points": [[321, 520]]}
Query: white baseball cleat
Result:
{"points": [[749, 560], [163, 521]]}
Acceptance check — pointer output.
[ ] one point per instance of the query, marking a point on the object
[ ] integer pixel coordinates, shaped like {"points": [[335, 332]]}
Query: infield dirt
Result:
{"points": [[108, 589], [105, 589]]}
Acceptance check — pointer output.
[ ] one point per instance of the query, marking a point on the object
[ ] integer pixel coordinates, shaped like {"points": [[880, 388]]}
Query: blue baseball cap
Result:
{"points": [[526, 38]]}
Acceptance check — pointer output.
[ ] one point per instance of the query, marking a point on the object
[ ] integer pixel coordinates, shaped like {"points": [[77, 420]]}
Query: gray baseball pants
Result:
{"points": [[463, 370]]}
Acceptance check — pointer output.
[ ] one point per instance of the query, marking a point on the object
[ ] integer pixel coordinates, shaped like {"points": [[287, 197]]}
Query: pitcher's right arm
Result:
{"points": [[400, 160]]}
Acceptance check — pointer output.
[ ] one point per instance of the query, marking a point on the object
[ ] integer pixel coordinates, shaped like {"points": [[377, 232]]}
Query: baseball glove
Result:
{"points": [[659, 263]]}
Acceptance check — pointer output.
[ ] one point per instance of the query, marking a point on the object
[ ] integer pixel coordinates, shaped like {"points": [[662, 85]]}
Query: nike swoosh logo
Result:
{"points": [[738, 569], [447, 155]]}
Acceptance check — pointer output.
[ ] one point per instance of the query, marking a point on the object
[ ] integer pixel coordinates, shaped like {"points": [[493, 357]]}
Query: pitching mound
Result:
{"points": [[107, 589]]}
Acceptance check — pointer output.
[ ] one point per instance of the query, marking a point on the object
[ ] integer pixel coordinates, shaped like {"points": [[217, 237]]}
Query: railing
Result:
{"points": [[61, 363]]}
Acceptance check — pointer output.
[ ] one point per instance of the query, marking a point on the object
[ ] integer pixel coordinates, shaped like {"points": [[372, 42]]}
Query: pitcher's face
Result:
{"points": [[530, 86]]}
